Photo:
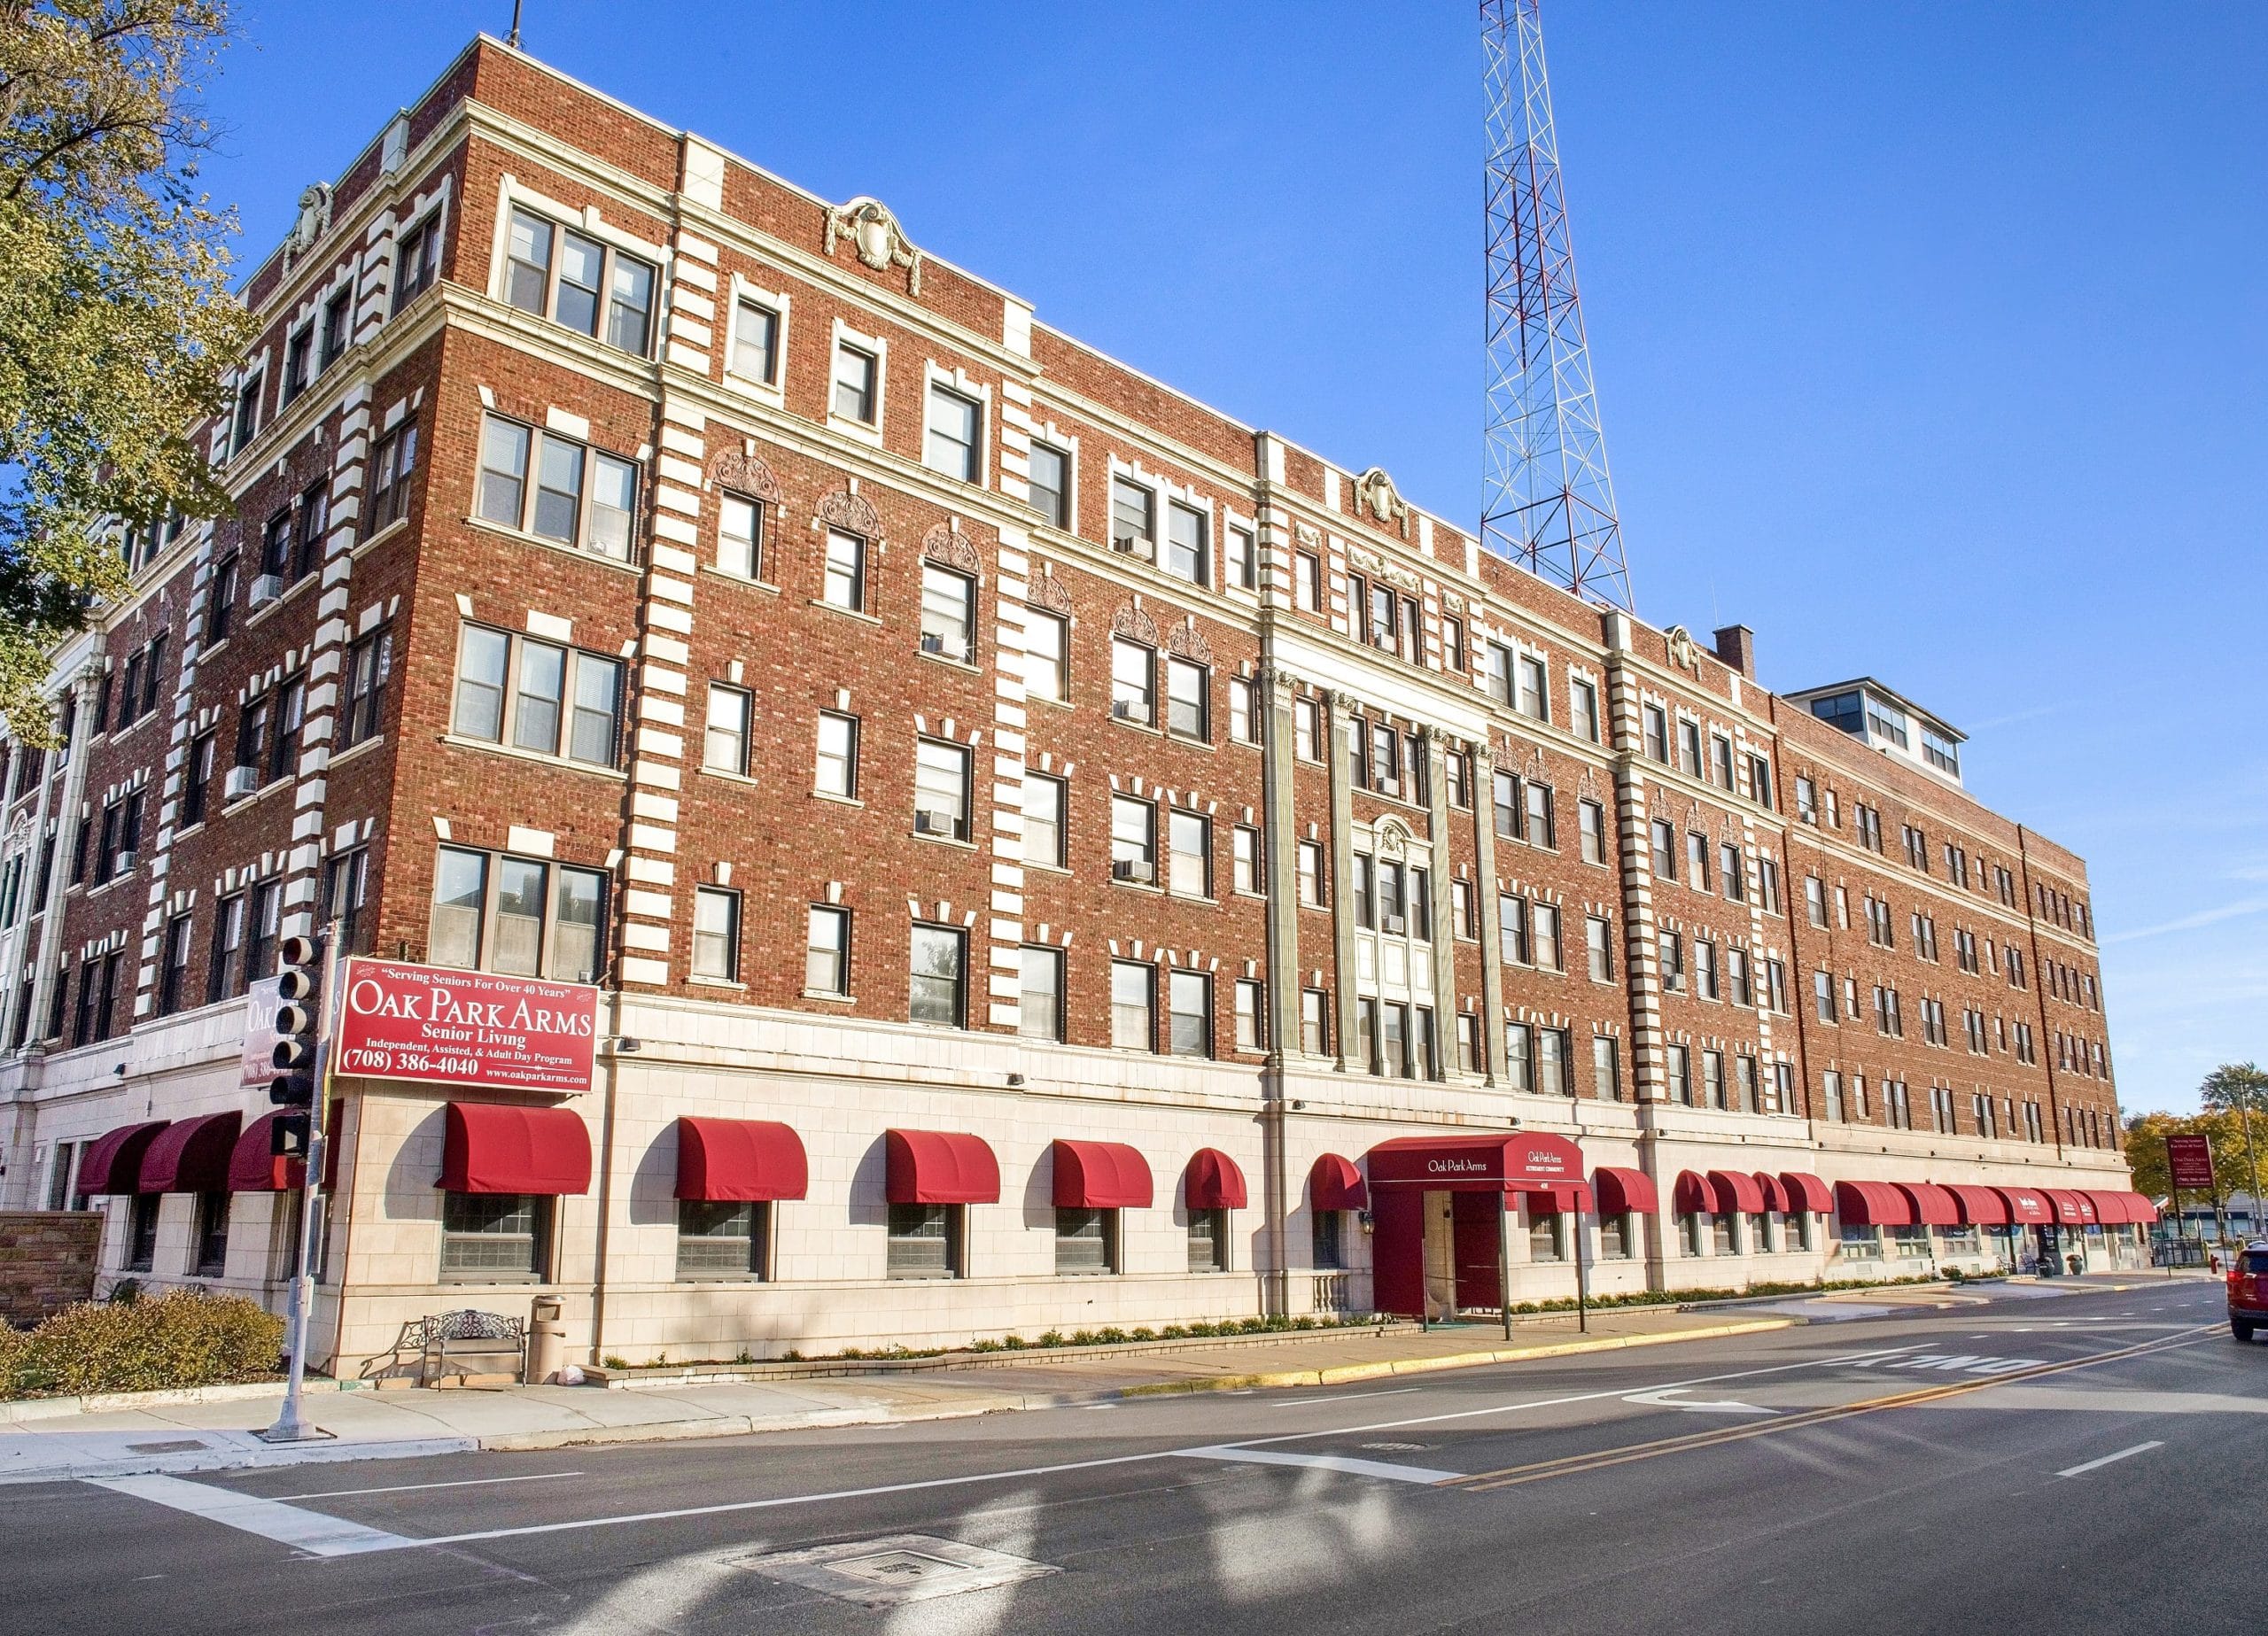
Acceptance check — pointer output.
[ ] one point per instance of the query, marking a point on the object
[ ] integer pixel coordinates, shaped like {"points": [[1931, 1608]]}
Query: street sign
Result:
{"points": [[2190, 1160], [427, 1022], [261, 1000]]}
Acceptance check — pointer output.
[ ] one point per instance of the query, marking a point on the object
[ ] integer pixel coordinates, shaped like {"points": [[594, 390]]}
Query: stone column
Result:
{"points": [[1343, 728], [1491, 949], [1444, 939]]}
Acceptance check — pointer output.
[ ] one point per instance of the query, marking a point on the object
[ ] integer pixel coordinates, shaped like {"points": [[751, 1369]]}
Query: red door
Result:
{"points": [[1477, 1220]]}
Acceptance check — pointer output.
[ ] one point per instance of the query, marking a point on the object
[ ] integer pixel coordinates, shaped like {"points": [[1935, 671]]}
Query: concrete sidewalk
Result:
{"points": [[211, 1436]]}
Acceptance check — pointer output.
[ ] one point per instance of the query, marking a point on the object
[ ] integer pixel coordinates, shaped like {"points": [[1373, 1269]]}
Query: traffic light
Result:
{"points": [[294, 1061]]}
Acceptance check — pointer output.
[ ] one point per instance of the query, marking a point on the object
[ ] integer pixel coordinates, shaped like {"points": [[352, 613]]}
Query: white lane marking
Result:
{"points": [[307, 1531], [1662, 1397], [1388, 1469], [2081, 1470], [1344, 1397], [404, 1488]]}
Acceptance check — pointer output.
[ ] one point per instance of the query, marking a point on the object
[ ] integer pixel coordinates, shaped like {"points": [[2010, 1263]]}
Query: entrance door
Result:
{"points": [[1442, 1281], [1480, 1226]]}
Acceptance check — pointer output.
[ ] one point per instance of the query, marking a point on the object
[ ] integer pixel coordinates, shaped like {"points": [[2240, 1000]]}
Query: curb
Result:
{"points": [[17, 1410], [229, 1457]]}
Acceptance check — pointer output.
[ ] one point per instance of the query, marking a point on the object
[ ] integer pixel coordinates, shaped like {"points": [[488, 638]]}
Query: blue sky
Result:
{"points": [[1932, 342]]}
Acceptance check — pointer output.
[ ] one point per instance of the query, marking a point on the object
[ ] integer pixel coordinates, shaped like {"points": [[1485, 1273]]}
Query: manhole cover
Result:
{"points": [[1398, 1448], [178, 1446], [900, 1567]]}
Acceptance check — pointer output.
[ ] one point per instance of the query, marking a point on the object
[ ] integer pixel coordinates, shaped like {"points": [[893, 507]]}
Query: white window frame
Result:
{"points": [[779, 303], [841, 336], [703, 899], [956, 383], [850, 762]]}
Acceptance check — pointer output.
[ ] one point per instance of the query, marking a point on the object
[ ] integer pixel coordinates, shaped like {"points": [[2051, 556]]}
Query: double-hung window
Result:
{"points": [[1040, 1014], [948, 614], [936, 992], [756, 341], [739, 536], [1133, 519], [857, 377], [394, 460], [1242, 554], [1189, 842], [836, 772], [1187, 712], [844, 582], [724, 746], [1188, 552], [955, 442], [1047, 657], [826, 950], [1049, 487], [1044, 830], [579, 281], [571, 494], [1582, 708], [524, 916], [717, 934], [1534, 695], [417, 263], [941, 790], [1189, 1005], [1133, 1005], [537, 696], [1133, 840], [1133, 682]]}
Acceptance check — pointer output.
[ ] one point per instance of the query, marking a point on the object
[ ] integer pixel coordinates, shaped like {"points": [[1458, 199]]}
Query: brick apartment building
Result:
{"points": [[1036, 840]]}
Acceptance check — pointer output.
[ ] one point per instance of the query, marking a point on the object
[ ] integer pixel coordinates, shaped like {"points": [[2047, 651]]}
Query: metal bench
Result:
{"points": [[459, 1343]]}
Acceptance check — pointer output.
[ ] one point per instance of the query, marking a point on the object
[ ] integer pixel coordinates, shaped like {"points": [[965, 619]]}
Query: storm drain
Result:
{"points": [[174, 1446], [895, 1569]]}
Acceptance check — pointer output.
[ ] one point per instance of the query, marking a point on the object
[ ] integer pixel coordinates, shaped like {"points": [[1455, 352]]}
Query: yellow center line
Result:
{"points": [[1567, 1465]]}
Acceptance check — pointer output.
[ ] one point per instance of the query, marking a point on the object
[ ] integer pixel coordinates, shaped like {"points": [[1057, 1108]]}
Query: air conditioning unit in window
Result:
{"points": [[1134, 545], [1133, 869], [940, 824], [123, 864], [1127, 709], [1674, 982], [1396, 924], [932, 643], [266, 589], [242, 782]]}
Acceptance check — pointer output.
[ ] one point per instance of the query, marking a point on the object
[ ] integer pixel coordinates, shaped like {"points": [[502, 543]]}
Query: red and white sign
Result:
{"points": [[427, 1022], [2190, 1158]]}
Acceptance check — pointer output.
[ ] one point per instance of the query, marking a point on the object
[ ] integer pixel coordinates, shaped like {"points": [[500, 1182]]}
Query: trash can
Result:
{"points": [[547, 1340]]}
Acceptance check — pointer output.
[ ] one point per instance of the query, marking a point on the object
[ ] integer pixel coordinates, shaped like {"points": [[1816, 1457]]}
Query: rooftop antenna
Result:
{"points": [[513, 39], [1546, 501]]}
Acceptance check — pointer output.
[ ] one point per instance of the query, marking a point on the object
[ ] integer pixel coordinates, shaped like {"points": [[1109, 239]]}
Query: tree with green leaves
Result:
{"points": [[117, 325], [2240, 1089]]}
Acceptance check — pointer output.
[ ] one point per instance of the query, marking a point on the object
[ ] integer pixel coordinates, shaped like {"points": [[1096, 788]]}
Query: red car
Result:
{"points": [[2248, 1291]]}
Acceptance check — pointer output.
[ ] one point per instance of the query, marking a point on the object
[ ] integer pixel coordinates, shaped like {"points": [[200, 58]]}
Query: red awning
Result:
{"points": [[112, 1162], [2109, 1206], [2134, 1207], [1570, 1199], [1690, 1195], [940, 1168], [491, 1147], [1872, 1204], [1100, 1175], [1806, 1192], [1625, 1191], [1212, 1181], [190, 1155], [1933, 1206], [1979, 1206], [1333, 1183], [2067, 1207], [2088, 1213], [1512, 1161], [1775, 1194], [254, 1168], [2027, 1205], [735, 1161], [1736, 1193]]}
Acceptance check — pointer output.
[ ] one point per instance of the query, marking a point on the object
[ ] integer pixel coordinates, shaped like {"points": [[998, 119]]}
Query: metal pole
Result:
{"points": [[1504, 1260], [290, 1425], [2252, 1162]]}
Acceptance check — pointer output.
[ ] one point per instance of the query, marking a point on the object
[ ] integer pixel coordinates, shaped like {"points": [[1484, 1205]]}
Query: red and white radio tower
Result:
{"points": [[1547, 501]]}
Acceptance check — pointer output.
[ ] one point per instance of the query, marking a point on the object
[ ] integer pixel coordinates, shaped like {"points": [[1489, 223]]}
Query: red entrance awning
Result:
{"points": [[1100, 1175], [1933, 1206], [1979, 1206], [1333, 1183], [1806, 1192], [940, 1168], [112, 1162], [1510, 1161], [491, 1147], [2069, 1210], [736, 1160], [1625, 1191], [1776, 1192], [1872, 1204], [191, 1155], [1212, 1181], [2027, 1206]]}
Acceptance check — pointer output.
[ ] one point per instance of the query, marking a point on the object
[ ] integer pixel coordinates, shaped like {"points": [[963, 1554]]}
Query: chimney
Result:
{"points": [[1736, 646]]}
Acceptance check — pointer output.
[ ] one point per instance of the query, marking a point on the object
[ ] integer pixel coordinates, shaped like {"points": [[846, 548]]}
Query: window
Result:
{"points": [[1599, 945], [1040, 993], [1767, 885], [1689, 747], [1933, 1022], [836, 770], [1677, 1073], [1188, 845], [1734, 875], [1520, 1056], [172, 979], [1244, 726], [539, 696], [1496, 669], [1133, 682], [1049, 487], [717, 934], [1582, 708], [1315, 1025], [98, 985], [1461, 911], [826, 950], [1590, 821], [338, 316], [417, 262], [1775, 987], [274, 551], [576, 281], [1086, 1242], [141, 1232], [1697, 860], [724, 746], [1545, 928], [1671, 950], [1887, 1020], [1505, 803], [1736, 977], [220, 610], [856, 371], [1187, 712], [1552, 1077], [1705, 968], [1189, 1006], [955, 431], [1654, 721], [1307, 580], [346, 896], [1511, 928], [739, 536], [530, 918], [1534, 695], [1307, 730], [224, 973], [1188, 552], [369, 666], [581, 497], [298, 361], [1310, 874], [1917, 849], [245, 425], [1133, 840], [1868, 823], [723, 1238], [1047, 667], [1541, 829], [307, 526], [1815, 900], [1606, 1068], [941, 790], [948, 614], [495, 1238], [1822, 994], [1663, 835], [1044, 830], [935, 991], [1252, 1014], [1924, 928], [1243, 842], [927, 1241], [1720, 761], [1879, 930], [1133, 1005], [1133, 519], [844, 582], [1243, 553], [756, 341]]}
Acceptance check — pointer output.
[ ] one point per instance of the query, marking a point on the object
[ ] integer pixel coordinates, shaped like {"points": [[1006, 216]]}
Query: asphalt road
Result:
{"points": [[2047, 1463]]}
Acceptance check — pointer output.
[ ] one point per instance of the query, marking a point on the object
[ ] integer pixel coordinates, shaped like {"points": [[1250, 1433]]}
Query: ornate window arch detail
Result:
{"points": [[1188, 641], [1693, 819], [1586, 786], [745, 473], [874, 231], [944, 543], [1136, 626], [854, 512], [1393, 837], [1045, 590], [1532, 769]]}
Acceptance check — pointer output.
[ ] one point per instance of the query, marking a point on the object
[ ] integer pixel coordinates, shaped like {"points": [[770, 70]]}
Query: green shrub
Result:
{"points": [[1052, 1338], [182, 1339], [1145, 1333], [985, 1345], [1111, 1334], [1174, 1332], [1015, 1342]]}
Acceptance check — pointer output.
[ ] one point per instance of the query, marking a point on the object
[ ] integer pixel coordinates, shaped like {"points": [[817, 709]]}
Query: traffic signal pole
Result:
{"points": [[291, 1426]]}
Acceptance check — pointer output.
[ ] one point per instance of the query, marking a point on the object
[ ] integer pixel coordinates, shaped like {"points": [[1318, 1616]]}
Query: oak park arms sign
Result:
{"points": [[425, 1022]]}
